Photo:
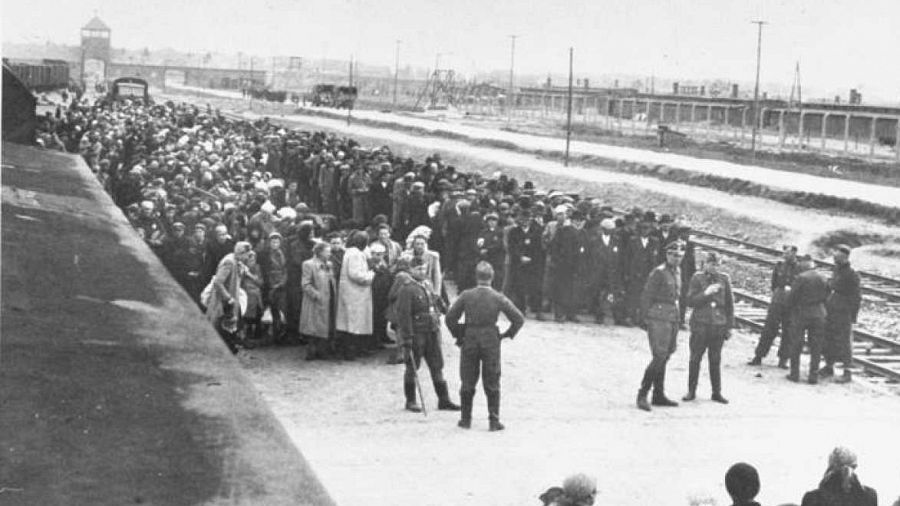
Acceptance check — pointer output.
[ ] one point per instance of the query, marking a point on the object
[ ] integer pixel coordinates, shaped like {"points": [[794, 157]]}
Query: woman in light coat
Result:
{"points": [[354, 308], [224, 310], [317, 317]]}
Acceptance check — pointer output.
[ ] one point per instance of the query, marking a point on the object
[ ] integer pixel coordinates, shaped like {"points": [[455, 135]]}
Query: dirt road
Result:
{"points": [[568, 402]]}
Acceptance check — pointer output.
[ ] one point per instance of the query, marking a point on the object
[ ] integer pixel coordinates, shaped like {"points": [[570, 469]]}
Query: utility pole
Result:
{"points": [[350, 107], [396, 73], [512, 62], [569, 107], [759, 25]]}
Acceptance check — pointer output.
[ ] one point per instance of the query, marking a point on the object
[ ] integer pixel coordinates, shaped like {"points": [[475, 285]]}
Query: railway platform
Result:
{"points": [[113, 387]]}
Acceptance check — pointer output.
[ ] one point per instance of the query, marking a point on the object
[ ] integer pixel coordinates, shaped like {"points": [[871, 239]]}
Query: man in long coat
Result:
{"points": [[640, 259], [842, 308]]}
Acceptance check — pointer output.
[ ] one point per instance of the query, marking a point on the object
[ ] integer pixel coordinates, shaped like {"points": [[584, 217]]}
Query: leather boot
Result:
{"points": [[493, 403], [444, 402], [642, 403], [795, 369], [409, 390], [826, 371], [783, 363], [659, 392], [693, 379], [465, 417]]}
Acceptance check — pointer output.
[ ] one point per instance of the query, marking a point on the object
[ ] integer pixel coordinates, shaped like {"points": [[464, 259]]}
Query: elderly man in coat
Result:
{"points": [[354, 308]]}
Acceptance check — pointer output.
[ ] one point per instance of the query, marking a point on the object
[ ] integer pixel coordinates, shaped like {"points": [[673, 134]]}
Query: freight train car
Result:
{"points": [[45, 75]]}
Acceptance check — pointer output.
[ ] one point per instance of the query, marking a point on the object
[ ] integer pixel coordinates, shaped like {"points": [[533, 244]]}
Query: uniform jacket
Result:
{"points": [[715, 309], [354, 308], [525, 244], [845, 296], [808, 294], [414, 309], [783, 275], [318, 285], [659, 300], [432, 261], [481, 306]]}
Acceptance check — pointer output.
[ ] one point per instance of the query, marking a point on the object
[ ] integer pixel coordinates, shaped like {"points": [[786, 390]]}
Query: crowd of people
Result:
{"points": [[236, 209], [840, 486]]}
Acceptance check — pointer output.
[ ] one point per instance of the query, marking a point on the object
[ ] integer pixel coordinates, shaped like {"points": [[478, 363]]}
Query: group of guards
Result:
{"points": [[808, 307]]}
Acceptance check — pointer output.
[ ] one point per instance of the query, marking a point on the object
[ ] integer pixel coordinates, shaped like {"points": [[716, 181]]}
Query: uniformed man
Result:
{"points": [[479, 339], [659, 312], [783, 275], [842, 307], [711, 322], [418, 325], [806, 302]]}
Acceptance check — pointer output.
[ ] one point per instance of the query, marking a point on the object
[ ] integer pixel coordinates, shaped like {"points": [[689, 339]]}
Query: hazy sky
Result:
{"points": [[840, 43]]}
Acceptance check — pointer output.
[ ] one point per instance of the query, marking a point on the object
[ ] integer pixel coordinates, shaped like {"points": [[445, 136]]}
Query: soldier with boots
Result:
{"points": [[659, 312], [783, 275], [711, 323], [842, 307], [806, 301], [479, 340], [418, 326]]}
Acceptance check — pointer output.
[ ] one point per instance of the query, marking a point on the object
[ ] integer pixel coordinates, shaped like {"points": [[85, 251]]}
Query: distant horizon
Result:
{"points": [[839, 43]]}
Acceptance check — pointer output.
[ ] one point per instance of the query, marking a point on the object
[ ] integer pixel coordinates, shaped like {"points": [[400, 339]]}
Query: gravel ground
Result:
{"points": [[569, 390], [568, 402]]}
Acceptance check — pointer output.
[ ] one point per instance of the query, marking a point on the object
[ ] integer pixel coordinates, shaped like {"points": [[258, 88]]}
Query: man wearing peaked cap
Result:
{"points": [[659, 311], [711, 323], [842, 307]]}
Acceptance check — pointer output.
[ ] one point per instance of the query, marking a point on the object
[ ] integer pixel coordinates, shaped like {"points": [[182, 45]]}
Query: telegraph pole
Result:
{"points": [[512, 62], [396, 73], [759, 25], [569, 107], [350, 107]]}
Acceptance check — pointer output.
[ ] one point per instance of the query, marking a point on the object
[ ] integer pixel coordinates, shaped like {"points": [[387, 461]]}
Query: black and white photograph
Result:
{"points": [[450, 253]]}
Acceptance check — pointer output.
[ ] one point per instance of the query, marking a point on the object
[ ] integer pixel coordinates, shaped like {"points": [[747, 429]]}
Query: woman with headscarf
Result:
{"points": [[317, 317], [840, 485], [354, 309], [224, 309]]}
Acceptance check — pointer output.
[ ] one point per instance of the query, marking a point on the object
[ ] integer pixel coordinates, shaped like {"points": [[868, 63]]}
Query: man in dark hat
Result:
{"points": [[526, 263], [777, 315], [604, 273], [842, 307], [568, 250], [640, 259], [491, 247], [711, 322], [479, 340], [806, 302], [659, 312]]}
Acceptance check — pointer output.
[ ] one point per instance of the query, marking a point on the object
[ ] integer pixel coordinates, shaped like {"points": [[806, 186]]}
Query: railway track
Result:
{"points": [[876, 358], [877, 288]]}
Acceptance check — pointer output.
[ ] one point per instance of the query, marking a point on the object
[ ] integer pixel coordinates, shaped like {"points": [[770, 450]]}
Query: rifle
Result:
{"points": [[412, 363]]}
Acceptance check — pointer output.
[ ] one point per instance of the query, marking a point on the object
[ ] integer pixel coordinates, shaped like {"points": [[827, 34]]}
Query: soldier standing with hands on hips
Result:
{"points": [[659, 312], [479, 339], [711, 323]]}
